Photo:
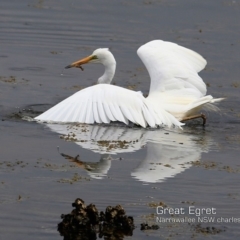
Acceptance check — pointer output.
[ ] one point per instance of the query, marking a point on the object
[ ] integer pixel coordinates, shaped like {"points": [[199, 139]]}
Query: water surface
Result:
{"points": [[117, 165]]}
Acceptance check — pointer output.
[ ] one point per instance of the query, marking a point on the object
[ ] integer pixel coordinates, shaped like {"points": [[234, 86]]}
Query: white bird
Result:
{"points": [[176, 92]]}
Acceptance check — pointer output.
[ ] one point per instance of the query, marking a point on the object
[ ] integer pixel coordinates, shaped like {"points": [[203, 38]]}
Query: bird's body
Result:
{"points": [[176, 90]]}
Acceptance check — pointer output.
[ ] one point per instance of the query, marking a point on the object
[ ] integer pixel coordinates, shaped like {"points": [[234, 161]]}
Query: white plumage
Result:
{"points": [[176, 90], [103, 103]]}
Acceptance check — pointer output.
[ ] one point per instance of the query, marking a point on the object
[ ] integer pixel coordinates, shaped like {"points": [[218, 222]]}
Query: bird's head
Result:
{"points": [[100, 55]]}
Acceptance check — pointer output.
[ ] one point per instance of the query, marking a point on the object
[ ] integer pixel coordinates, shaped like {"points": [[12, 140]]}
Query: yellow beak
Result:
{"points": [[79, 63]]}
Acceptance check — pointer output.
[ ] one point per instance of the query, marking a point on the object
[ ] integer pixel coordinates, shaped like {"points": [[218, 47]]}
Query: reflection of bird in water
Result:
{"points": [[95, 169], [102, 139], [177, 93], [168, 153]]}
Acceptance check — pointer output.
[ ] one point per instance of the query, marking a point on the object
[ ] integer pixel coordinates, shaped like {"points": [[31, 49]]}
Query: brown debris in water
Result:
{"points": [[145, 226], [209, 165], [12, 80], [198, 228], [85, 222], [157, 204], [115, 144]]}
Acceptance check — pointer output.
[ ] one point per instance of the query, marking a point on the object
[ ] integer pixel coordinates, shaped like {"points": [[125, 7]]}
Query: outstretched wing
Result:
{"points": [[103, 103], [172, 67]]}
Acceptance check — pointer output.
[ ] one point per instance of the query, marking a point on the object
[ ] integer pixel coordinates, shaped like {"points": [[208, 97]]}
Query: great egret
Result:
{"points": [[176, 93]]}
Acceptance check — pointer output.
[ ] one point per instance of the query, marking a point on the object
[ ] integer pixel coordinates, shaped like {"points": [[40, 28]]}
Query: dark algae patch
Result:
{"points": [[86, 222], [145, 226], [208, 230], [210, 165]]}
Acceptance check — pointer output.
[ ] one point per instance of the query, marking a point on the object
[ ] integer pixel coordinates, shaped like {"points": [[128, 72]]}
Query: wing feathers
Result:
{"points": [[102, 113], [171, 66], [118, 113], [88, 112], [108, 111], [103, 103]]}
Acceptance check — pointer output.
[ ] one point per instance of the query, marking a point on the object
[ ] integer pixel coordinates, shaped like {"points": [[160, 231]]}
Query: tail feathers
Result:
{"points": [[216, 100], [205, 103], [211, 105], [199, 102]]}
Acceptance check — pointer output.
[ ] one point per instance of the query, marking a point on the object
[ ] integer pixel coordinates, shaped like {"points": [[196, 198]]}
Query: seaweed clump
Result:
{"points": [[208, 230], [85, 222], [145, 226]]}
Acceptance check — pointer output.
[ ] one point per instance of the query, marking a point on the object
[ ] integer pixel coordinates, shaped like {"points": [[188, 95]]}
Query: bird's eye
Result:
{"points": [[94, 57]]}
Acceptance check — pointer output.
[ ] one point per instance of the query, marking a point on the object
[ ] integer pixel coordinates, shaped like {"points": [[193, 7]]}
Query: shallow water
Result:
{"points": [[116, 165]]}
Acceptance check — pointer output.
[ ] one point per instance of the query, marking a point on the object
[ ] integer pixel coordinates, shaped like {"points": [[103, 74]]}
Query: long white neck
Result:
{"points": [[106, 58], [108, 73]]}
